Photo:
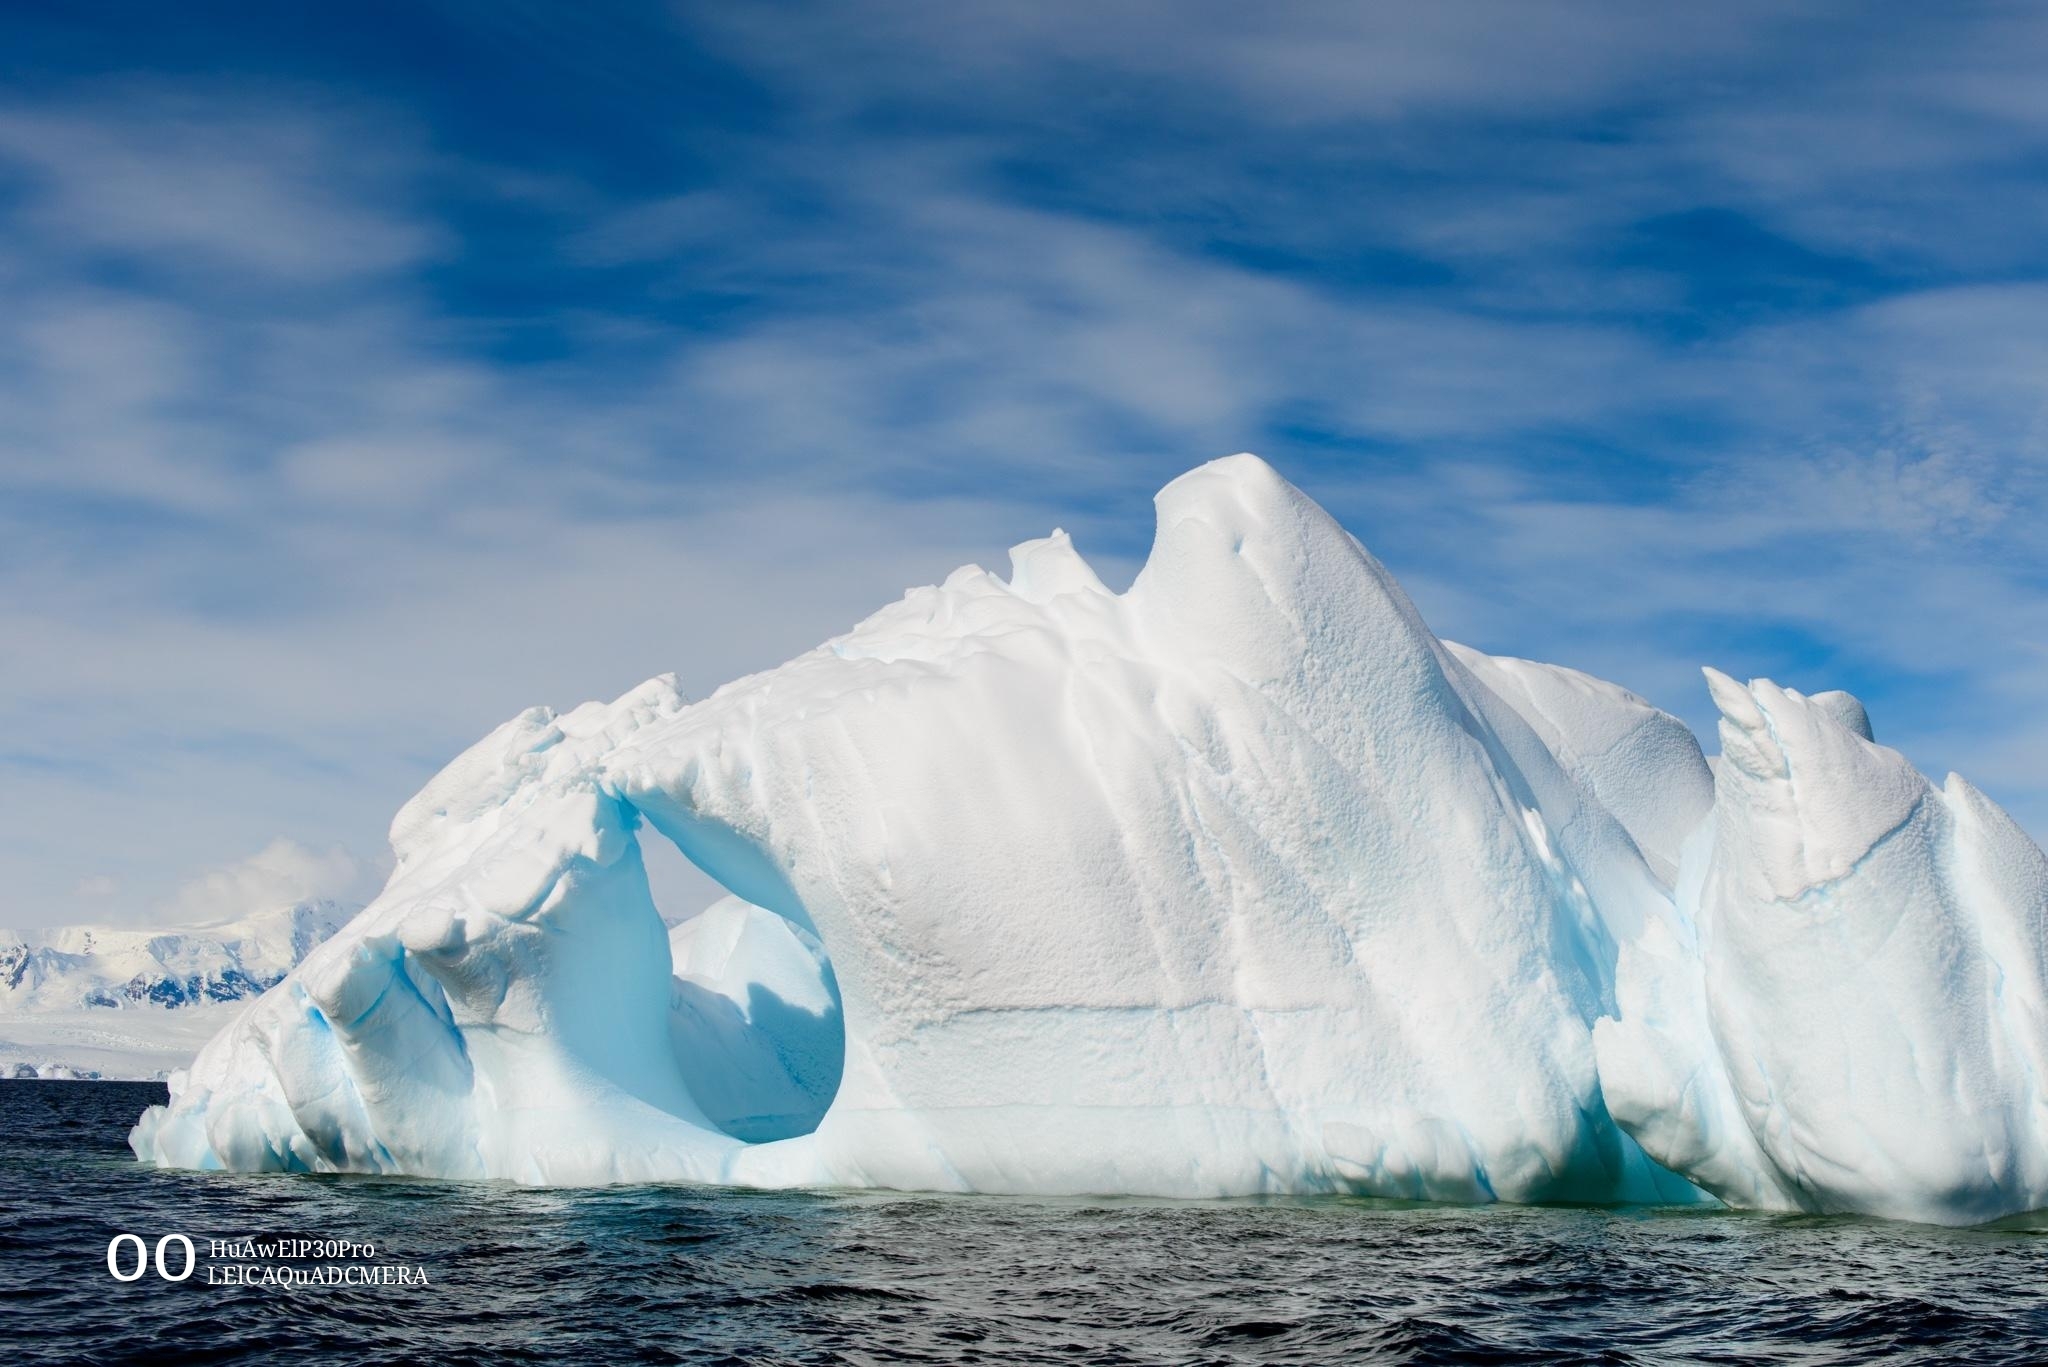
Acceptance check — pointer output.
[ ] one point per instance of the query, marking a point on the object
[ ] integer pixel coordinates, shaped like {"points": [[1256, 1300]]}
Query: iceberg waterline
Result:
{"points": [[1238, 882]]}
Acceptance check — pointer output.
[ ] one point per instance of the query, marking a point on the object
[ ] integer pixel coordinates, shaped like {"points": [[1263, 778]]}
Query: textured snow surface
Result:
{"points": [[1237, 882]]}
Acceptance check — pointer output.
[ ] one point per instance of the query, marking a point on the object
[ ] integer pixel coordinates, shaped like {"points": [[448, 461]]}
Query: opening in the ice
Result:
{"points": [[754, 1013]]}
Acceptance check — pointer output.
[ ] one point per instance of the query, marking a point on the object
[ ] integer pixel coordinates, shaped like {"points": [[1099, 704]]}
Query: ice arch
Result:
{"points": [[1237, 881], [755, 1021], [754, 1013]]}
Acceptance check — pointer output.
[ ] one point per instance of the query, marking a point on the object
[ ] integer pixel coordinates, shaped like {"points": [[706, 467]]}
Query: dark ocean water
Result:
{"points": [[670, 1274]]}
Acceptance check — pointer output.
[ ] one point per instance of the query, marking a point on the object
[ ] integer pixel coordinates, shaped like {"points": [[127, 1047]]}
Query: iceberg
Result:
{"points": [[1240, 881]]}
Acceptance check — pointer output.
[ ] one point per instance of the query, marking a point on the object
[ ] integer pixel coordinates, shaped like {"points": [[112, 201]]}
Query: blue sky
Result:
{"points": [[369, 373]]}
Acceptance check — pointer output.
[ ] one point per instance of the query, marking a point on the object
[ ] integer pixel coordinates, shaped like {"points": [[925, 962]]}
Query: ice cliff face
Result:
{"points": [[1240, 881], [1855, 1017]]}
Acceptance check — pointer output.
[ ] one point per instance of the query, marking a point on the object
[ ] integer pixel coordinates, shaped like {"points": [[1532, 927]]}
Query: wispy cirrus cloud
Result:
{"points": [[343, 414]]}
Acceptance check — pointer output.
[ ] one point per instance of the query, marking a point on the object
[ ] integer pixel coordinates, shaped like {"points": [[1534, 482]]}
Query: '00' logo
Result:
{"points": [[142, 1258]]}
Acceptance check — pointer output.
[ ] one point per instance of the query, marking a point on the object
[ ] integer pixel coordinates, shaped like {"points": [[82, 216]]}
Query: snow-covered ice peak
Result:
{"points": [[1239, 881], [1847, 709], [1868, 972]]}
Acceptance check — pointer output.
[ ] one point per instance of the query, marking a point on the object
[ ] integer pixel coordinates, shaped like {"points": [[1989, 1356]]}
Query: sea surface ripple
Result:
{"points": [[691, 1275]]}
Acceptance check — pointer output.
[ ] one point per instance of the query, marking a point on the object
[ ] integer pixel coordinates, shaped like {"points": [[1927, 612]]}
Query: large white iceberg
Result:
{"points": [[1237, 882]]}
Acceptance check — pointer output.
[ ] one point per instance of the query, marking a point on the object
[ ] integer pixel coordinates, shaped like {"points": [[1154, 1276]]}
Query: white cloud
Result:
{"points": [[269, 555], [1285, 63], [278, 875], [264, 190]]}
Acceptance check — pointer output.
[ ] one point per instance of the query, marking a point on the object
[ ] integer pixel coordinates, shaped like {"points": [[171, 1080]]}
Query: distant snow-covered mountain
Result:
{"points": [[118, 967], [118, 1001]]}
